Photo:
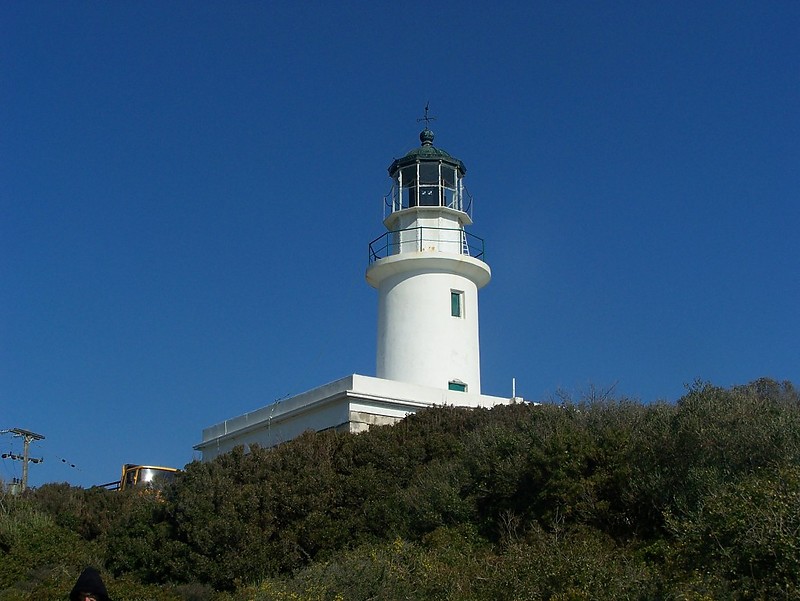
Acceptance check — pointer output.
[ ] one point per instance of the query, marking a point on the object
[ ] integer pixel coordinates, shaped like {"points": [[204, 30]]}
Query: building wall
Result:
{"points": [[419, 341], [350, 404]]}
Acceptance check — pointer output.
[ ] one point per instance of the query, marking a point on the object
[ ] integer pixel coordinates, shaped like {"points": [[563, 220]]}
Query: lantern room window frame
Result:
{"points": [[417, 185]]}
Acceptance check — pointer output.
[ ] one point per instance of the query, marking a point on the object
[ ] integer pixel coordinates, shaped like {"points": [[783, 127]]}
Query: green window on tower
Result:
{"points": [[457, 386], [456, 303]]}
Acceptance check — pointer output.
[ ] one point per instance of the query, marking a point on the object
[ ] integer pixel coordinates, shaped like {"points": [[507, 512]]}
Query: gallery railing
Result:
{"points": [[432, 239]]}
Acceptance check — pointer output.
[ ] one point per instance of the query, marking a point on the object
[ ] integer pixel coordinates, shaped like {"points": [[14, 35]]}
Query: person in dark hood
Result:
{"points": [[89, 587]]}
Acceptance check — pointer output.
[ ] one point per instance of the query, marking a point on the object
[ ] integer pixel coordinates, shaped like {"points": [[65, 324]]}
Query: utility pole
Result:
{"points": [[27, 438]]}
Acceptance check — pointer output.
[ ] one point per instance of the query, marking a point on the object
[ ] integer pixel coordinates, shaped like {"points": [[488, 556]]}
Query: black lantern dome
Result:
{"points": [[428, 176]]}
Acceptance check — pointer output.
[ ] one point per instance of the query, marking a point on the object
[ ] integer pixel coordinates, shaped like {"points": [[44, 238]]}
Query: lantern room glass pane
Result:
{"points": [[429, 173], [449, 183], [448, 176], [429, 184], [409, 176], [409, 192]]}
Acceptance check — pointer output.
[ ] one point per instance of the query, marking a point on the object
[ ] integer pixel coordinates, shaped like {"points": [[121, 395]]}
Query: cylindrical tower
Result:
{"points": [[428, 271]]}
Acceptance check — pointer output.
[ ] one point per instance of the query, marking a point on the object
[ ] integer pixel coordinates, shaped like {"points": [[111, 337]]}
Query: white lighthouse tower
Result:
{"points": [[428, 270]]}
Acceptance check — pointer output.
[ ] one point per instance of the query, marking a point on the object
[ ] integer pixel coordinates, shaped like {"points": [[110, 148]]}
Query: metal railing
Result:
{"points": [[399, 199], [417, 239]]}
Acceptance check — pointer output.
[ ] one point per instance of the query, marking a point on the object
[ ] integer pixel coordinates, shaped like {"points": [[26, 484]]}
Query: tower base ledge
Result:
{"points": [[351, 404], [431, 262]]}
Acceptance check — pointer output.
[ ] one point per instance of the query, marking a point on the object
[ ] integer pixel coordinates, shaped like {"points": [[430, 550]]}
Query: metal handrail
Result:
{"points": [[389, 204], [385, 246]]}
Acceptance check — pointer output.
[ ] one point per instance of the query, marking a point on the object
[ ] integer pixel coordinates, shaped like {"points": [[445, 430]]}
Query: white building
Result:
{"points": [[427, 270]]}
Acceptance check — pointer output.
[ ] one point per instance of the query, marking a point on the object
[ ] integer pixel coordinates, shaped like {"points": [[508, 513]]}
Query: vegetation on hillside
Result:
{"points": [[600, 499]]}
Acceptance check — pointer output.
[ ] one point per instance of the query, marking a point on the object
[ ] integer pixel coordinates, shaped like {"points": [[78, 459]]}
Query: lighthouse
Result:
{"points": [[427, 270]]}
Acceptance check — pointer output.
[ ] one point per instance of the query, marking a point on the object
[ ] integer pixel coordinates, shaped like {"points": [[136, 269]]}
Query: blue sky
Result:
{"points": [[187, 191]]}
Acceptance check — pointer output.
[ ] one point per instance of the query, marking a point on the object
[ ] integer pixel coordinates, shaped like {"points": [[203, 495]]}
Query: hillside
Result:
{"points": [[598, 499]]}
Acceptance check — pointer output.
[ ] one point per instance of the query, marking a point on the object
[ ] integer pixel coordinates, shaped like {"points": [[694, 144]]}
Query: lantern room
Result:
{"points": [[427, 177]]}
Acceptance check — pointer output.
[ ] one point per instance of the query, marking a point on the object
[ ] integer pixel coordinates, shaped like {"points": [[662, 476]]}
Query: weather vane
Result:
{"points": [[426, 118]]}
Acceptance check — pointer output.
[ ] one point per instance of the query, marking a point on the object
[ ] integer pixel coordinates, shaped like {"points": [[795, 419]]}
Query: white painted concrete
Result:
{"points": [[419, 341], [351, 404]]}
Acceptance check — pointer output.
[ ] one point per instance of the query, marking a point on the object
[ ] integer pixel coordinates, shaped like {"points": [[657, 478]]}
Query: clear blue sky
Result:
{"points": [[187, 191]]}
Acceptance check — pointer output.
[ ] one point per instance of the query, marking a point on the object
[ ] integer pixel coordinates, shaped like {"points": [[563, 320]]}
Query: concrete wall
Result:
{"points": [[419, 341], [350, 404]]}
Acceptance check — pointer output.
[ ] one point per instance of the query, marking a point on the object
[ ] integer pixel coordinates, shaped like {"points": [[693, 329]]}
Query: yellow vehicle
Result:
{"points": [[146, 476]]}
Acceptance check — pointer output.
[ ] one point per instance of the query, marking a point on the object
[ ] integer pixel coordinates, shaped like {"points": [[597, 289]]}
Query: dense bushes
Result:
{"points": [[594, 500]]}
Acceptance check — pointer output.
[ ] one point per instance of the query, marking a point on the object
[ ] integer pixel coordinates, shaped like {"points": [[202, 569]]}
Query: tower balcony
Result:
{"points": [[455, 241]]}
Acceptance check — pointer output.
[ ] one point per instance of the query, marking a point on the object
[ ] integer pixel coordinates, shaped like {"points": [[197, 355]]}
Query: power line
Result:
{"points": [[27, 438]]}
